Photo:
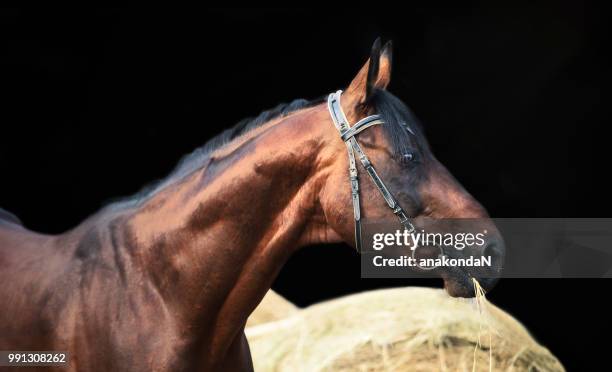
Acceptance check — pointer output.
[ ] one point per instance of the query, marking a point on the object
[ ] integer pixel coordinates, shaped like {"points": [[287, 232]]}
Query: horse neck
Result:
{"points": [[214, 241]]}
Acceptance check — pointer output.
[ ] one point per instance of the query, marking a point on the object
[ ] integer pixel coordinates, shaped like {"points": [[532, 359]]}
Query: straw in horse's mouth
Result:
{"points": [[481, 303]]}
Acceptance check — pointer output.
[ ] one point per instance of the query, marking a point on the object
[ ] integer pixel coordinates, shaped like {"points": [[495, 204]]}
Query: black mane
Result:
{"points": [[399, 123], [199, 156], [191, 161]]}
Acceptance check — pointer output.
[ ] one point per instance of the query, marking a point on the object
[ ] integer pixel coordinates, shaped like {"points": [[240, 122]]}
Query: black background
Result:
{"points": [[95, 104]]}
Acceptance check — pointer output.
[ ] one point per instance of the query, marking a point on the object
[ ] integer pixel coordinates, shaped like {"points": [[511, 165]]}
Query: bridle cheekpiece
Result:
{"points": [[347, 134]]}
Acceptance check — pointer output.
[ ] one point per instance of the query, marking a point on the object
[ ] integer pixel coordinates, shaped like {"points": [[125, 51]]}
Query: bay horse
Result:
{"points": [[165, 281]]}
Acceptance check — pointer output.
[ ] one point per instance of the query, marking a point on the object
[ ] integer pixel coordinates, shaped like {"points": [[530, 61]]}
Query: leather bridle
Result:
{"points": [[347, 134]]}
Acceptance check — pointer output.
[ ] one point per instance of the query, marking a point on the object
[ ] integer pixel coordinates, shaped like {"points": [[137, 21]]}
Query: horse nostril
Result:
{"points": [[490, 250], [495, 250]]}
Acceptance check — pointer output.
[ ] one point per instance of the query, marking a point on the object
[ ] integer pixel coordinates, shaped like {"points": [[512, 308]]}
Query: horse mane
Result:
{"points": [[9, 217], [192, 161], [400, 122]]}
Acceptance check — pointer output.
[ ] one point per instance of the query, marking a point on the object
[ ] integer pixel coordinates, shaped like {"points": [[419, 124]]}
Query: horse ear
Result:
{"points": [[375, 74], [385, 63]]}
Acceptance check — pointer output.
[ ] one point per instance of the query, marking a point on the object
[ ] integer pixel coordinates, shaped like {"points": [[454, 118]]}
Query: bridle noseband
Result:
{"points": [[347, 134]]}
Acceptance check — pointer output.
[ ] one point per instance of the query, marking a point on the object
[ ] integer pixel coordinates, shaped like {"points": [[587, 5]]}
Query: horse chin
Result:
{"points": [[458, 283]]}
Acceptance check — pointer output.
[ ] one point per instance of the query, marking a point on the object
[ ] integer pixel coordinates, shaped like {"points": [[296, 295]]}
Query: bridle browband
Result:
{"points": [[347, 134]]}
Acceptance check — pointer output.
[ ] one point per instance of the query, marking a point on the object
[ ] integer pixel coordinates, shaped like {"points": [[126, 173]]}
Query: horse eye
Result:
{"points": [[407, 157]]}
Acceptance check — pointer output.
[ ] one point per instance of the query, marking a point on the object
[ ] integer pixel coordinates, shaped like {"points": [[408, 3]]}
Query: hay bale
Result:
{"points": [[405, 329], [272, 307]]}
